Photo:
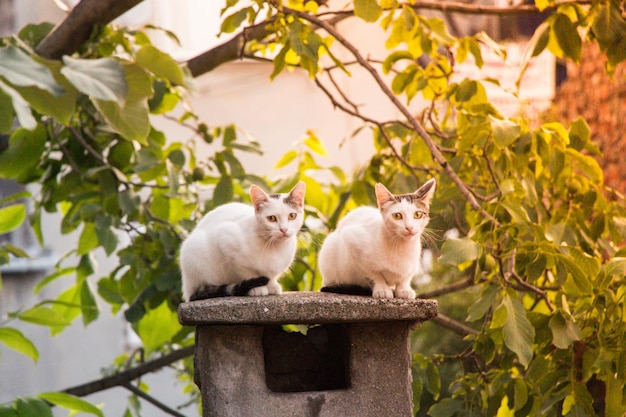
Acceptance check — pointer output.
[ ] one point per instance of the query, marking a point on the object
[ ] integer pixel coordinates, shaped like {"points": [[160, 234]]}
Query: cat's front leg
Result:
{"points": [[404, 290], [382, 291]]}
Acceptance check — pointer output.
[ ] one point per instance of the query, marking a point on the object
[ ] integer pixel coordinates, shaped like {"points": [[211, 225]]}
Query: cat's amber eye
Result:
{"points": [[272, 218], [397, 216], [418, 214], [292, 216]]}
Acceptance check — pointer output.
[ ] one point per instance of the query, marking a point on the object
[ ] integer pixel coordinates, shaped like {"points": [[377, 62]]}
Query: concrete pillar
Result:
{"points": [[353, 359]]}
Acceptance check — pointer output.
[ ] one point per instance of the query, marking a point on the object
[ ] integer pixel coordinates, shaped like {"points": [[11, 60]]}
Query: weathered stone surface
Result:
{"points": [[232, 376], [304, 308], [246, 365]]}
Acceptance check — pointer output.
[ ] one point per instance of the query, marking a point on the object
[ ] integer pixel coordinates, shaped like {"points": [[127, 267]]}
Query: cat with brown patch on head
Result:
{"points": [[378, 251], [242, 249]]}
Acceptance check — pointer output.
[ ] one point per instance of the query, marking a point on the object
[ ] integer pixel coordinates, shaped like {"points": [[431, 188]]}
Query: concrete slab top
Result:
{"points": [[304, 308]]}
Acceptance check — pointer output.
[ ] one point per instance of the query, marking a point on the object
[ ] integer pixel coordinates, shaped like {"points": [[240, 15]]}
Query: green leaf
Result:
{"points": [[315, 144], [6, 112], [485, 302], [607, 24], [439, 31], [20, 69], [70, 402], [6, 411], [88, 239], [157, 326], [22, 155], [130, 118], [16, 340], [458, 251], [32, 407], [581, 268], [579, 133], [233, 21], [11, 217], [504, 131], [21, 107], [564, 331], [587, 165], [223, 191], [32, 34], [89, 308], [368, 10], [286, 159], [394, 57], [44, 316], [518, 332], [567, 38], [100, 79], [446, 407], [57, 274], [466, 90], [279, 61], [60, 107], [160, 63]]}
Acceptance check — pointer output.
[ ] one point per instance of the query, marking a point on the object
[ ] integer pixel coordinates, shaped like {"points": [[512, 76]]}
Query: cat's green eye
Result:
{"points": [[397, 216], [292, 216], [272, 218], [418, 214]]}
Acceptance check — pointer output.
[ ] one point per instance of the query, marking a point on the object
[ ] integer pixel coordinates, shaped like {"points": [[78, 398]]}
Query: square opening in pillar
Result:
{"points": [[316, 359]]}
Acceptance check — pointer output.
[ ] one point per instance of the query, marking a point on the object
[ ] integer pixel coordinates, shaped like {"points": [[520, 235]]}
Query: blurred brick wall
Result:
{"points": [[590, 92]]}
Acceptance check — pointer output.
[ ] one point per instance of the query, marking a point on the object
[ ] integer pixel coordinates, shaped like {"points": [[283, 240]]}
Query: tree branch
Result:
{"points": [[453, 325], [474, 9], [447, 289], [123, 378], [415, 124], [77, 27], [228, 51]]}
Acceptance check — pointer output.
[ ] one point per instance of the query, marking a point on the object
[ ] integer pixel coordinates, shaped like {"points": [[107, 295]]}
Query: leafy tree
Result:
{"points": [[540, 239]]}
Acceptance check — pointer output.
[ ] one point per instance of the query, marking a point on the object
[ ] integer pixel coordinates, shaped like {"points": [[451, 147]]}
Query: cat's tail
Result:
{"points": [[214, 291], [348, 289]]}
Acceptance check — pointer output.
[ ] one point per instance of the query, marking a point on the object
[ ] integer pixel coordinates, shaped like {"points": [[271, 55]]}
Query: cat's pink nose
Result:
{"points": [[284, 230], [409, 229]]}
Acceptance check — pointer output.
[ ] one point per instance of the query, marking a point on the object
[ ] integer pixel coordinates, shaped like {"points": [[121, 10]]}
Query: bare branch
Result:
{"points": [[228, 51], [473, 9], [415, 124], [455, 286], [453, 325], [125, 377], [152, 400]]}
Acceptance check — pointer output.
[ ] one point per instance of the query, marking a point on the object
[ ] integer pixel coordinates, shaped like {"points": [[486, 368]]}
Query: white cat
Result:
{"points": [[241, 249], [377, 251]]}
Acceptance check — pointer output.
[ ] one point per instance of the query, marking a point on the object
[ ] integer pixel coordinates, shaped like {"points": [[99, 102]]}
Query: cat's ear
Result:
{"points": [[258, 196], [426, 191], [297, 193], [383, 195]]}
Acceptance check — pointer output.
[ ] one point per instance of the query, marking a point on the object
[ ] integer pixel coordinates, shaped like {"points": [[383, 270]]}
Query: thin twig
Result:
{"points": [[523, 285], [151, 400], [471, 9], [453, 325], [416, 125], [79, 137], [447, 289]]}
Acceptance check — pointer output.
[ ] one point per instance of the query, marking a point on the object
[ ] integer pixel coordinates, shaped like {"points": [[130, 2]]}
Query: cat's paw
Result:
{"points": [[259, 291], [274, 288], [405, 293], [270, 288], [382, 292]]}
